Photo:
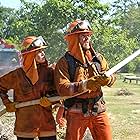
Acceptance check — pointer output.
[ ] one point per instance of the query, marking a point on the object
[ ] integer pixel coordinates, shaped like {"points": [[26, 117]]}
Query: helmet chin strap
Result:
{"points": [[85, 47], [87, 53]]}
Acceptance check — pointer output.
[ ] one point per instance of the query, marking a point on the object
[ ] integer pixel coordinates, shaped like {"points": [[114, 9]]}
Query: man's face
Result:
{"points": [[84, 40], [40, 56]]}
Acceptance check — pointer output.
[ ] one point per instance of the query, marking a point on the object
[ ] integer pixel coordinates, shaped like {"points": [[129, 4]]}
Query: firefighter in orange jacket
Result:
{"points": [[86, 110], [34, 80]]}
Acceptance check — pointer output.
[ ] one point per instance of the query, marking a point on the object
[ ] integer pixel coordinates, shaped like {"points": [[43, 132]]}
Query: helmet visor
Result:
{"points": [[83, 25], [38, 42]]}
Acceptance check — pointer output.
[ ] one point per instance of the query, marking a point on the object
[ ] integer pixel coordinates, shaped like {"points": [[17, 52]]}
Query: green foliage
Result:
{"points": [[112, 36], [120, 37], [115, 44], [7, 18], [132, 22]]}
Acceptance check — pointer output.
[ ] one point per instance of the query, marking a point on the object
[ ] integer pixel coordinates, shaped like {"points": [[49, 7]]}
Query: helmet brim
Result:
{"points": [[78, 32], [32, 50]]}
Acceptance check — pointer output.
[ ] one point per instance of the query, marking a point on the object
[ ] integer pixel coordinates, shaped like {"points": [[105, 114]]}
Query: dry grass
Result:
{"points": [[124, 111]]}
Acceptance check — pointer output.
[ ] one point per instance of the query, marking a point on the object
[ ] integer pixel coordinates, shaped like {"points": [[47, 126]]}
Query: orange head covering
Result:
{"points": [[30, 45], [72, 38]]}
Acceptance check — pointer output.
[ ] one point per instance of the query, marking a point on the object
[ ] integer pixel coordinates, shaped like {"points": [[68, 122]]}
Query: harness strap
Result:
{"points": [[72, 64], [85, 102]]}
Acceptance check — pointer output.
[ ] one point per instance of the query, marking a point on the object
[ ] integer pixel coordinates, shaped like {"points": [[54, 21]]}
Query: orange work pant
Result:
{"points": [[98, 125]]}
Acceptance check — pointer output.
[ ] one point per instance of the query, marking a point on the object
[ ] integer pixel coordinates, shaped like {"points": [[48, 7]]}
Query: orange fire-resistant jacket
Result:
{"points": [[77, 122], [67, 88], [33, 120]]}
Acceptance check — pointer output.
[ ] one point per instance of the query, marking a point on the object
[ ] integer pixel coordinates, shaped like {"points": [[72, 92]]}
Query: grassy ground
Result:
{"points": [[124, 110]]}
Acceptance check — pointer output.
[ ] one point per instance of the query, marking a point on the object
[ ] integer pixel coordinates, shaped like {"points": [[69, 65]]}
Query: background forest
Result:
{"points": [[116, 26]]}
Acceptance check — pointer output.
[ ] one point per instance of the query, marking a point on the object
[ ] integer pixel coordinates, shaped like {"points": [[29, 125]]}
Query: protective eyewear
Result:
{"points": [[38, 43], [82, 25]]}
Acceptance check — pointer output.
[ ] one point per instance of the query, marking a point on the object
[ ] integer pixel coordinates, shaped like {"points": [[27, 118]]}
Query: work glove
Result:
{"points": [[90, 84], [10, 107], [44, 101], [60, 117], [102, 80], [95, 82]]}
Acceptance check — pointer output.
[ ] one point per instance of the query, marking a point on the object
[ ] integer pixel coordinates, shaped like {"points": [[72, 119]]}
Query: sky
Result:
{"points": [[16, 3], [12, 3]]}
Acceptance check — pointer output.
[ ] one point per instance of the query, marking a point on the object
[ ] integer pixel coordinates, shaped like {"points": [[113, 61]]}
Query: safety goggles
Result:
{"points": [[37, 43], [83, 25]]}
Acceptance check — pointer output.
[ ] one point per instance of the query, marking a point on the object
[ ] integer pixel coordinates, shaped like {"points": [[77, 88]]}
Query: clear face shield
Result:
{"points": [[37, 43], [82, 25]]}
